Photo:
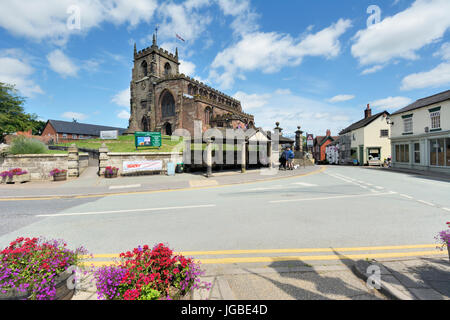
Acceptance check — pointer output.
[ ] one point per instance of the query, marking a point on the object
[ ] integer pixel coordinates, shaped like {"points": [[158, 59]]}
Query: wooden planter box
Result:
{"points": [[17, 179], [62, 290], [60, 177]]}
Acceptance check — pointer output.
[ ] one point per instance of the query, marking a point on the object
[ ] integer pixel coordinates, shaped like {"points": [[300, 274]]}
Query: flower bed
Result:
{"points": [[444, 238], [15, 175], [149, 274], [37, 269]]}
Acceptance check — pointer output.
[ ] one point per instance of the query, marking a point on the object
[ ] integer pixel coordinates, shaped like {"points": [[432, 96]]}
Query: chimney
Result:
{"points": [[367, 112], [328, 133]]}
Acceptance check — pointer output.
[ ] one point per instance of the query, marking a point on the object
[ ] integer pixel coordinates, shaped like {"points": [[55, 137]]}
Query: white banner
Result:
{"points": [[109, 135], [138, 166]]}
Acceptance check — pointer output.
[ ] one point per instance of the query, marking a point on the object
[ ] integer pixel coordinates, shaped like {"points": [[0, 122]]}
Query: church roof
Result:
{"points": [[81, 128]]}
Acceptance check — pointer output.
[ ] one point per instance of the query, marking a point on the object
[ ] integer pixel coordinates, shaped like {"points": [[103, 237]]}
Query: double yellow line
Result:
{"points": [[331, 254]]}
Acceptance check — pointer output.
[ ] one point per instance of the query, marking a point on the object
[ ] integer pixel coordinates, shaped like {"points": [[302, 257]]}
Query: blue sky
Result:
{"points": [[311, 63]]}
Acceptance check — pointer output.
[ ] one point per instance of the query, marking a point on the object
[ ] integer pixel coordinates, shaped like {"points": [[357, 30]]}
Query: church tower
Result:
{"points": [[151, 65]]}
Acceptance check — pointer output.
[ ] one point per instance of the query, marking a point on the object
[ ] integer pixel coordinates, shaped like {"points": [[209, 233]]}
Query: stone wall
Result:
{"points": [[38, 165]]}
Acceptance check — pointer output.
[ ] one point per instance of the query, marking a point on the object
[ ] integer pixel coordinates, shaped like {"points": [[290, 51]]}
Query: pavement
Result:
{"points": [[89, 183], [293, 236]]}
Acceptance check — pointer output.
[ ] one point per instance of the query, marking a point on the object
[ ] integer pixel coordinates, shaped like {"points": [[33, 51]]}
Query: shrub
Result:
{"points": [[32, 266], [444, 237], [24, 145], [149, 274]]}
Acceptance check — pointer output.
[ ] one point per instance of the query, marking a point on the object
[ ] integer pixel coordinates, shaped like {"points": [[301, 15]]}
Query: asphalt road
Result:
{"points": [[340, 207]]}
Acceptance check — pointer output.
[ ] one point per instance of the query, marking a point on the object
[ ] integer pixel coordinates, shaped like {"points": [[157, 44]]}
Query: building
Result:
{"points": [[420, 135], [332, 151], [163, 100], [369, 139], [66, 131], [320, 145]]}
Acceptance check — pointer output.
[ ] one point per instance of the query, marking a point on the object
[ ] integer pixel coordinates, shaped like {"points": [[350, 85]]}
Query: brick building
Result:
{"points": [[163, 100], [320, 146], [65, 131]]}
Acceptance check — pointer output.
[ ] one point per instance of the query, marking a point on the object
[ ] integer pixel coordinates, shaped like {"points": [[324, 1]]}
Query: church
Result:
{"points": [[163, 100]]}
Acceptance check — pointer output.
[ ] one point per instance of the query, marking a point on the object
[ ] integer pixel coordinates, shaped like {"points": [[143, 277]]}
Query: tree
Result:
{"points": [[12, 114]]}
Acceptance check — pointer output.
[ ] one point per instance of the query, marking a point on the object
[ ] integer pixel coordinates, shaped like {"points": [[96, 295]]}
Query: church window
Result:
{"points": [[208, 116], [144, 68], [167, 69], [168, 105]]}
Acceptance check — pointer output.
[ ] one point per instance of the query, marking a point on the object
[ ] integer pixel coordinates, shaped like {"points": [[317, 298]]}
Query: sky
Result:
{"points": [[314, 64]]}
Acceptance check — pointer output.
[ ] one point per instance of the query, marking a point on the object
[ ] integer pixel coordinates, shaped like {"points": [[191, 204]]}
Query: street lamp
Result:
{"points": [[389, 121]]}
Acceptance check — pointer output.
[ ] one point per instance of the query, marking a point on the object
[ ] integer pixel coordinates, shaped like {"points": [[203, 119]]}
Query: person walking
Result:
{"points": [[283, 160], [290, 158]]}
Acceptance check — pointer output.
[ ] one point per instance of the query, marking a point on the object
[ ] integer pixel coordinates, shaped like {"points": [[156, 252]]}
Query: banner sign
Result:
{"points": [[148, 139], [138, 166], [109, 135]]}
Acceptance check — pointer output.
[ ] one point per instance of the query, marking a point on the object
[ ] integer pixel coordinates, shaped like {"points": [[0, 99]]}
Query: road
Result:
{"points": [[341, 207]]}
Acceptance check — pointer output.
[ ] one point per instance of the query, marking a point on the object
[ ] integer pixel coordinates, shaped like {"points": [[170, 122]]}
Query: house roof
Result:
{"points": [[321, 139], [81, 128], [362, 123], [439, 97]]}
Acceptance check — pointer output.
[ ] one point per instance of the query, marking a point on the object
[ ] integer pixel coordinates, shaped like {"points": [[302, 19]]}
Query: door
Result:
{"points": [[361, 155]]}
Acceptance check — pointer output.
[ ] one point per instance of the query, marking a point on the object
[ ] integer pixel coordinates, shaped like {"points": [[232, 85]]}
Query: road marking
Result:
{"points": [[304, 184], [446, 209], [406, 196], [267, 251], [427, 203], [131, 186], [329, 257], [125, 211], [336, 197], [379, 188]]}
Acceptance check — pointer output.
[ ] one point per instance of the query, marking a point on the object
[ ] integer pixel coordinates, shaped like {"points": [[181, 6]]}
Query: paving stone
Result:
{"points": [[410, 280], [443, 287]]}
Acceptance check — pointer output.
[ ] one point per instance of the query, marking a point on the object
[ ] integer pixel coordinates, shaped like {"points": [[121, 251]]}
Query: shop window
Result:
{"points": [[402, 153], [437, 152]]}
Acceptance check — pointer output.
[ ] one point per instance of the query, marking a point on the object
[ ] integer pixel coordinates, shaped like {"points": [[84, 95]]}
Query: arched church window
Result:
{"points": [[208, 116], [145, 124], [167, 69], [167, 105], [144, 68]]}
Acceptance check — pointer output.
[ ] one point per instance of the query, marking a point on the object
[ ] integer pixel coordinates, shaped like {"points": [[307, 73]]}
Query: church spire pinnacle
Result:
{"points": [[135, 51], [154, 40], [176, 52]]}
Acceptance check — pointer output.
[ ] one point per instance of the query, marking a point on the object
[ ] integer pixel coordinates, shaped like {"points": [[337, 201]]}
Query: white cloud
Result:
{"points": [[341, 98], [252, 101], [74, 115], [402, 35], [292, 110], [188, 68], [372, 69], [391, 103], [47, 20], [269, 52], [283, 91], [245, 19], [439, 76], [123, 115], [444, 51], [122, 98], [16, 70], [184, 19], [62, 64]]}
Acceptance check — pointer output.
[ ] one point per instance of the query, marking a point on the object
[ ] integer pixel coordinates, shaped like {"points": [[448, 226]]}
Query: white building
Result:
{"points": [[420, 134], [367, 139]]}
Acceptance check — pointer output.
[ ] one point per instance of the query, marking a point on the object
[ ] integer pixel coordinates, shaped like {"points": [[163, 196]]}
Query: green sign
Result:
{"points": [[148, 139]]}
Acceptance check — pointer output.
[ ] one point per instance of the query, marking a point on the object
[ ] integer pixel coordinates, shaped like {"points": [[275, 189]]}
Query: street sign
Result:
{"points": [[148, 139], [310, 140], [109, 135]]}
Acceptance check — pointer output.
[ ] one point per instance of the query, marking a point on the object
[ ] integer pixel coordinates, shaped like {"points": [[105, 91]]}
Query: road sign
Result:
{"points": [[148, 139], [310, 140], [109, 135]]}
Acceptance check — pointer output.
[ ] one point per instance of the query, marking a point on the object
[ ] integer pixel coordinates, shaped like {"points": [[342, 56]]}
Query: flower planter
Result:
{"points": [[16, 178], [63, 292], [109, 175], [60, 177]]}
